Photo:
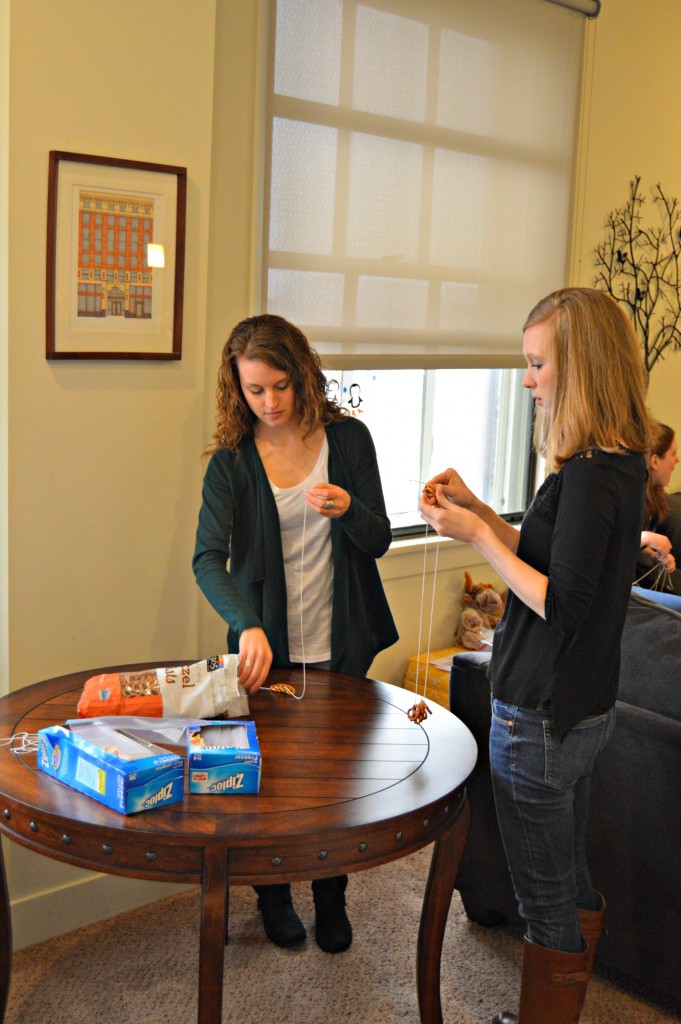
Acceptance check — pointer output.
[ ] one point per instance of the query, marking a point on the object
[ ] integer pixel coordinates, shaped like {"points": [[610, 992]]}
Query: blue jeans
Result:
{"points": [[541, 789]]}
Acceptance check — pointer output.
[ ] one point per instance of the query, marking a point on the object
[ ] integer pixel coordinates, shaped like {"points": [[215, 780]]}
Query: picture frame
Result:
{"points": [[103, 298]]}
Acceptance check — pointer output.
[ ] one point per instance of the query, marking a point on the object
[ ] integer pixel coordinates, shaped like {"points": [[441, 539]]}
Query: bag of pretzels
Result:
{"points": [[205, 689]]}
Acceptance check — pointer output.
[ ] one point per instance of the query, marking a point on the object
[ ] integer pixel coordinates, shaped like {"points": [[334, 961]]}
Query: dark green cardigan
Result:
{"points": [[239, 523]]}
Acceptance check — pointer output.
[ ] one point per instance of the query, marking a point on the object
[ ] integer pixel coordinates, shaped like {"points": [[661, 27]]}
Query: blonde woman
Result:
{"points": [[555, 660]]}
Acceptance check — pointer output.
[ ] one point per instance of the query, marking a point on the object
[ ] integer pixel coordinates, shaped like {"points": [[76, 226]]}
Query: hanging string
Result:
{"points": [[662, 580], [302, 576], [432, 612], [422, 604], [290, 692]]}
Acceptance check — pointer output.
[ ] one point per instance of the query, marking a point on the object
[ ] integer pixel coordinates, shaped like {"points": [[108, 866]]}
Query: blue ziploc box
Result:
{"points": [[116, 768], [224, 757]]}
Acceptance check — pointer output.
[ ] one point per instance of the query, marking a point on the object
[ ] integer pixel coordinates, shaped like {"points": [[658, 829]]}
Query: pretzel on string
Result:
{"points": [[286, 688], [419, 712], [431, 497]]}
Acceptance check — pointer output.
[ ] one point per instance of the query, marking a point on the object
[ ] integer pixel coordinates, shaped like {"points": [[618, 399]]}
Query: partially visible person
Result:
{"points": [[657, 568], [555, 657], [291, 524]]}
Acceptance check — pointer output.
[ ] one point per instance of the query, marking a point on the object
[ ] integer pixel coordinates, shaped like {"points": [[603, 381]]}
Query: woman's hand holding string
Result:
{"points": [[477, 524], [658, 548], [448, 518], [450, 486], [328, 500], [660, 544], [448, 489], [255, 658], [668, 562]]}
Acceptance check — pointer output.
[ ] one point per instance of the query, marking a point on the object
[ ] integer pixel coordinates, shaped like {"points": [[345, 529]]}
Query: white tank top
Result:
{"points": [[308, 565]]}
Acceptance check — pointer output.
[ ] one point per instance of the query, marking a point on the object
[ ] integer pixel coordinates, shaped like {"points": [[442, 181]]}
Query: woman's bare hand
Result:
{"points": [[255, 658], [448, 485], [328, 500]]}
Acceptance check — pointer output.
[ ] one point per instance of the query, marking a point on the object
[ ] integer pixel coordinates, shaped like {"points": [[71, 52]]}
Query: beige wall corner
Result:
{"points": [[632, 104]]}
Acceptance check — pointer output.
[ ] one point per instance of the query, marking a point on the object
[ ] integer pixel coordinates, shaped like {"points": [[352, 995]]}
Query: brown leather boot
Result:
{"points": [[552, 989], [592, 926]]}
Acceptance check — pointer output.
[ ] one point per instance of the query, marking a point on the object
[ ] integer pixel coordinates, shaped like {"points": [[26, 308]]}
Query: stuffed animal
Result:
{"points": [[483, 608]]}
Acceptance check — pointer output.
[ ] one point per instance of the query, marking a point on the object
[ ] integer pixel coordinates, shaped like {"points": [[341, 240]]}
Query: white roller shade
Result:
{"points": [[418, 174]]}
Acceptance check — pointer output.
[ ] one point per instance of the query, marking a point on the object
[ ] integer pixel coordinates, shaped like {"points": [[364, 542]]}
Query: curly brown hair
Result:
{"points": [[284, 347], [657, 504]]}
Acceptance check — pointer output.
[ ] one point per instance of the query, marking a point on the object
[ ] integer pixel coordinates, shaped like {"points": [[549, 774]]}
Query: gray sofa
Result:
{"points": [[634, 837]]}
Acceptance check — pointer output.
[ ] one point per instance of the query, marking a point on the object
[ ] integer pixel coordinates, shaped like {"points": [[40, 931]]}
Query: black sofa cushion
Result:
{"points": [[650, 670]]}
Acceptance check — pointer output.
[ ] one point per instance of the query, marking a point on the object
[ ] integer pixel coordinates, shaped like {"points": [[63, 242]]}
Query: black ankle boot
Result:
{"points": [[333, 930], [282, 925]]}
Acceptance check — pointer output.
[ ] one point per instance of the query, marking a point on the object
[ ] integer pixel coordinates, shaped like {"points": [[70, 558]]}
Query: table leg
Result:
{"points": [[444, 868], [212, 941], [5, 938]]}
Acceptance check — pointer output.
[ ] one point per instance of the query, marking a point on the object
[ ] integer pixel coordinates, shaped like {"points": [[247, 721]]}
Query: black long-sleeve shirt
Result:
{"points": [[583, 530]]}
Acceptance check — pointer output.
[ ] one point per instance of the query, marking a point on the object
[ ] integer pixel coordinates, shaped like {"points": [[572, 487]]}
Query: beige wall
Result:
{"points": [[103, 460], [632, 108], [104, 477], [4, 388], [104, 474]]}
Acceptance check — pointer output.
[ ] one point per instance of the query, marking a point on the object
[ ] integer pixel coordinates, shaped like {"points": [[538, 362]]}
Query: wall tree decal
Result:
{"points": [[640, 266]]}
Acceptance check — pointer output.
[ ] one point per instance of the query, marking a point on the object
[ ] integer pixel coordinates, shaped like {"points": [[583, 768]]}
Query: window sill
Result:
{"points": [[406, 556]]}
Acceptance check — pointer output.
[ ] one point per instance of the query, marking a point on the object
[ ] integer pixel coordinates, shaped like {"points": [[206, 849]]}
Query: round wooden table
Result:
{"points": [[348, 782]]}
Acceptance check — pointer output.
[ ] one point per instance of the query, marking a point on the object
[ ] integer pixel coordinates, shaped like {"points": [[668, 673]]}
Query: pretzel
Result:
{"points": [[139, 684], [429, 492], [419, 712], [283, 688]]}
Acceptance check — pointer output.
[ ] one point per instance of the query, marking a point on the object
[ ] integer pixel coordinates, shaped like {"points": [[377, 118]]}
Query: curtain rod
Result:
{"points": [[592, 8]]}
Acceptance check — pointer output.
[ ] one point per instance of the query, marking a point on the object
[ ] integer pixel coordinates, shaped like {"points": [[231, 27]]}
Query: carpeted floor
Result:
{"points": [[141, 967]]}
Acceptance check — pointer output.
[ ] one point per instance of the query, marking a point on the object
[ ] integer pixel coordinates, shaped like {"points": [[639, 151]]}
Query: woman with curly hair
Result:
{"points": [[292, 499], [555, 658]]}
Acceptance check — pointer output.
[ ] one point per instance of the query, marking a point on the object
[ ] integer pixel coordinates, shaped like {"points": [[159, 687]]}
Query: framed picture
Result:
{"points": [[115, 258]]}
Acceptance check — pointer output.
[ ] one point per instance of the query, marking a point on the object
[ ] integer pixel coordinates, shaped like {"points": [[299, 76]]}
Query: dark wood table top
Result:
{"points": [[348, 782]]}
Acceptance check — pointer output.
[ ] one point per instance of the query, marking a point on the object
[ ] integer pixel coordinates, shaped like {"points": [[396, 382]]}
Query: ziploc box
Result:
{"points": [[224, 757], [117, 768]]}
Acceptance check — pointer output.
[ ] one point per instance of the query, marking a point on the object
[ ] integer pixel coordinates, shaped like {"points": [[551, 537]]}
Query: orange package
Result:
{"points": [[121, 693], [204, 689]]}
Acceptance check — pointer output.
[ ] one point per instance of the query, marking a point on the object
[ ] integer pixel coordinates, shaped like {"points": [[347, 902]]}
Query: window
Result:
{"points": [[423, 421], [418, 176]]}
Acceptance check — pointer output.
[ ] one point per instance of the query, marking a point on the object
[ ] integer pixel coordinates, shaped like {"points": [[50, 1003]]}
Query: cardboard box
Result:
{"points": [[112, 766], [224, 757], [428, 675]]}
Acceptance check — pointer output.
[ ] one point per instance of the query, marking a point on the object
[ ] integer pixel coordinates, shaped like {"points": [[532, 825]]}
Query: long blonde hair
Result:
{"points": [[600, 377], [283, 346]]}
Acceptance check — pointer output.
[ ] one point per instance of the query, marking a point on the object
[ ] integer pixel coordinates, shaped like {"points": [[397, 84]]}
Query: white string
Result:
{"points": [[302, 575], [661, 582], [21, 743], [432, 609], [423, 588], [302, 631], [432, 613]]}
